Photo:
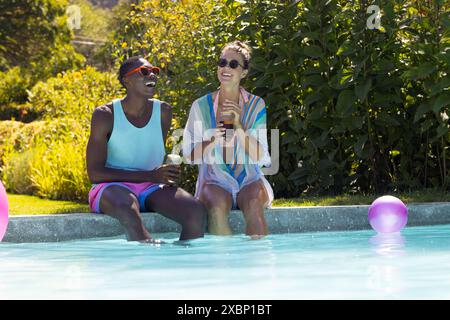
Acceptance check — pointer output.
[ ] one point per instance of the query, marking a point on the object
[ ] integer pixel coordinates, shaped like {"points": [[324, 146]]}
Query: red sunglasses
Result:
{"points": [[144, 70]]}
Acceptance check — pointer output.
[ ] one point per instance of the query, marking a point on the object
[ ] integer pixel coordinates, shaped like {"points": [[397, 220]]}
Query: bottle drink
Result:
{"points": [[174, 159]]}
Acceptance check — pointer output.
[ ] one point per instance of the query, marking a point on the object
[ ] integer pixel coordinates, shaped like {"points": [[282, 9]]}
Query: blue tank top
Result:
{"points": [[133, 148]]}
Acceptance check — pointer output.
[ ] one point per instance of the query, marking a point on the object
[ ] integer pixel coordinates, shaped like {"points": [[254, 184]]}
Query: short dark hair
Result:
{"points": [[126, 66]]}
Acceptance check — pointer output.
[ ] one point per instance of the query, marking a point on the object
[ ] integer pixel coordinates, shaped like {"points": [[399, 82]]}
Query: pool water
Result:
{"points": [[322, 265]]}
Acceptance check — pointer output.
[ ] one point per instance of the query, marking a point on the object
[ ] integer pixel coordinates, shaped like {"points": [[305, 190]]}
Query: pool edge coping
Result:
{"points": [[72, 226]]}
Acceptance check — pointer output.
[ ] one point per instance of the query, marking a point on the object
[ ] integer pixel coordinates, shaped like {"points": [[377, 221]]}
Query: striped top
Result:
{"points": [[242, 170]]}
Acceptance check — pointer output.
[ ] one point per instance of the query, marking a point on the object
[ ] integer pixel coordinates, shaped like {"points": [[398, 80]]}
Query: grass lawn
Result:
{"points": [[22, 204], [427, 195]]}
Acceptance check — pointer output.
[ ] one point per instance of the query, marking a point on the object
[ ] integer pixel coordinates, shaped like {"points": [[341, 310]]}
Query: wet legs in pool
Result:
{"points": [[218, 202], [172, 202], [121, 204], [180, 206], [252, 200]]}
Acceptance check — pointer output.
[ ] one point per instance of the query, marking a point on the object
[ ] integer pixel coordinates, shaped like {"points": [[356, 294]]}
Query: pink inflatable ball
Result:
{"points": [[3, 211], [388, 214]]}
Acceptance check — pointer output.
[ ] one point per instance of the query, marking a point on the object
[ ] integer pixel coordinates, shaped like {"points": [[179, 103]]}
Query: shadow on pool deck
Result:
{"points": [[61, 227]]}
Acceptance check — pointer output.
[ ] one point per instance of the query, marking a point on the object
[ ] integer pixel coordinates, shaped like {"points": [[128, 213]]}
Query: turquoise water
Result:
{"points": [[327, 265]]}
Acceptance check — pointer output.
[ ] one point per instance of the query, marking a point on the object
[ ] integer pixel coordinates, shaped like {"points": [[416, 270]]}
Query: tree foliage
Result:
{"points": [[33, 33], [34, 45]]}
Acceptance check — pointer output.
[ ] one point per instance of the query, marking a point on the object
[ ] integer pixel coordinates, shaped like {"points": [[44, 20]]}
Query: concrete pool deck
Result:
{"points": [[63, 227]]}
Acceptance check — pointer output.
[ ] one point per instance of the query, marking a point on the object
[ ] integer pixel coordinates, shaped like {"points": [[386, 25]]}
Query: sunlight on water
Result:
{"points": [[412, 264]]}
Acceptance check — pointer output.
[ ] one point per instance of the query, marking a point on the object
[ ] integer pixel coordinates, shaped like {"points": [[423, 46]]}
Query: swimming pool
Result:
{"points": [[321, 265]]}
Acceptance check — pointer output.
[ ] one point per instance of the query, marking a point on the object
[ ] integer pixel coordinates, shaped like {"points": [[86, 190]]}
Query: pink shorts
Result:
{"points": [[140, 190]]}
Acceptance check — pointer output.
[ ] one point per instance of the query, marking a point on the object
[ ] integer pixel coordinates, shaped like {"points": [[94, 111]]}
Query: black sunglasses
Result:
{"points": [[233, 63]]}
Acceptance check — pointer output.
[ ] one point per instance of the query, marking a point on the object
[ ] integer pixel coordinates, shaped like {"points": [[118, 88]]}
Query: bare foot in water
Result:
{"points": [[152, 241], [256, 237]]}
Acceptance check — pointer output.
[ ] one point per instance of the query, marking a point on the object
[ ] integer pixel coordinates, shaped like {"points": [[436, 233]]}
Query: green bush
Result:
{"points": [[96, 26], [63, 57], [20, 112], [74, 94], [18, 136], [13, 87], [17, 171], [47, 159], [34, 45], [59, 169]]}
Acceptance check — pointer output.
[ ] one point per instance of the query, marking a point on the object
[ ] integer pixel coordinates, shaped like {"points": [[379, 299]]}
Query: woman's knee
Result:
{"points": [[254, 195], [216, 199]]}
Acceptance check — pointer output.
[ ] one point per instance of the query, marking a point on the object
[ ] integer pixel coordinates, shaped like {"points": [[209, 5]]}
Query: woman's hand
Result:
{"points": [[219, 134], [232, 109]]}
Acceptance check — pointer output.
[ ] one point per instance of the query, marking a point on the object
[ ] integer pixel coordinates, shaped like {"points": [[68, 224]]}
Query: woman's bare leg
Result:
{"points": [[252, 200], [218, 202]]}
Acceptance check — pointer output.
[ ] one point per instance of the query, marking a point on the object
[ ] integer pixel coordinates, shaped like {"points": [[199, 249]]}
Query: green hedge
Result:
{"points": [[359, 109]]}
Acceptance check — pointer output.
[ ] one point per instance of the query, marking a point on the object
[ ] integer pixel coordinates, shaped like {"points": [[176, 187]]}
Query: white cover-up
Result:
{"points": [[213, 169]]}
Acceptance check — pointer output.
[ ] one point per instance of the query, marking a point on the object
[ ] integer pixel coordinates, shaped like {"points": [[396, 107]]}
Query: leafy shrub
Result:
{"points": [[96, 26], [47, 159], [95, 21], [34, 45], [29, 29], [18, 136], [17, 171], [13, 87], [20, 112], [59, 170], [74, 94]]}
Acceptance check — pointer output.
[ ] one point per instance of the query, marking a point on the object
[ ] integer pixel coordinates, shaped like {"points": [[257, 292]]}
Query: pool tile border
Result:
{"points": [[63, 227]]}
